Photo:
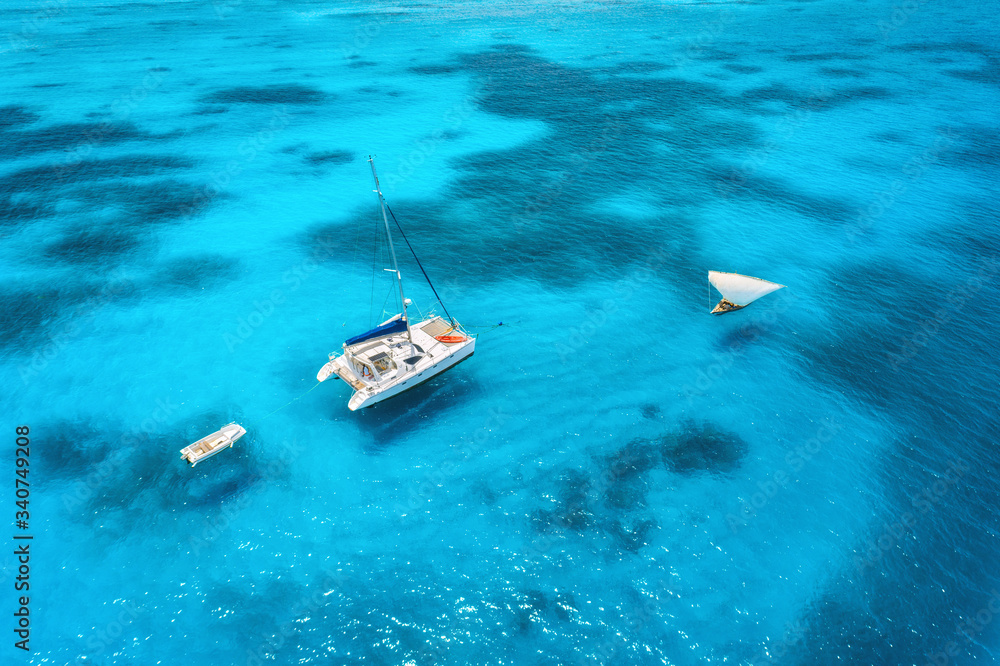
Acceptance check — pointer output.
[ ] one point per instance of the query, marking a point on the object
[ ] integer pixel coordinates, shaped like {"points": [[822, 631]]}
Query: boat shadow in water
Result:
{"points": [[213, 485], [225, 477], [139, 476], [737, 339], [389, 423]]}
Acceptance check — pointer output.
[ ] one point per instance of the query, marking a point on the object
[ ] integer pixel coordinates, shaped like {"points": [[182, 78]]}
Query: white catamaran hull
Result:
{"points": [[381, 367], [367, 398]]}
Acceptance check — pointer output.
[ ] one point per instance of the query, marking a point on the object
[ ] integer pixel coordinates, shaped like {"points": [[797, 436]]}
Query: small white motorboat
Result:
{"points": [[206, 447]]}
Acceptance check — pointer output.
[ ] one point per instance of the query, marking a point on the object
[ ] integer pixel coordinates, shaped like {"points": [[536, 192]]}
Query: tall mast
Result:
{"points": [[392, 251]]}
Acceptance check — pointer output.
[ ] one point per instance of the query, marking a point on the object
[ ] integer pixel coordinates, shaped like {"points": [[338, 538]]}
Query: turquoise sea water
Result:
{"points": [[615, 477]]}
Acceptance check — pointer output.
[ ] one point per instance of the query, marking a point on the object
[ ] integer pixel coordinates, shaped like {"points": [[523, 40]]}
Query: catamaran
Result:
{"points": [[397, 355], [739, 291]]}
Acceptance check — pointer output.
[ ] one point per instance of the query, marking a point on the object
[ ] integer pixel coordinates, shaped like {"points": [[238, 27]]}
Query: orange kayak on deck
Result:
{"points": [[450, 338]]}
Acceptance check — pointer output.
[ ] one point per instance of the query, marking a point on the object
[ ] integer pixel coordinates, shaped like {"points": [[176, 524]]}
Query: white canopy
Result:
{"points": [[741, 289]]}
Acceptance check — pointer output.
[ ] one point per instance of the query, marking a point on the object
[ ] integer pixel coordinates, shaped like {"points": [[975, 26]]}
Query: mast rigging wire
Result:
{"points": [[426, 277]]}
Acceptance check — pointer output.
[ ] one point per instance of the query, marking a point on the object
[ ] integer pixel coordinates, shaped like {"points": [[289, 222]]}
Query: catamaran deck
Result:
{"points": [[435, 327], [398, 344], [387, 364], [346, 375]]}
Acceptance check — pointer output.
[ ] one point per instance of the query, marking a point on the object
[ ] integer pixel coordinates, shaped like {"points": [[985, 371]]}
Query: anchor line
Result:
{"points": [[487, 327], [283, 406]]}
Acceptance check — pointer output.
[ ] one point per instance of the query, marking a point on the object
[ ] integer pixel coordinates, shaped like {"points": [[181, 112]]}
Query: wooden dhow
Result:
{"points": [[739, 291]]}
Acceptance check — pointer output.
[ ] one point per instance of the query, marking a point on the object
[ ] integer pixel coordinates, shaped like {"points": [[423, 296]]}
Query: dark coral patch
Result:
{"points": [[572, 510], [70, 451], [24, 143], [842, 96], [434, 70], [46, 315], [857, 356], [50, 176], [330, 157], [989, 75], [162, 201], [142, 204], [20, 211], [26, 312], [776, 92], [274, 94], [650, 411], [631, 538], [842, 72], [209, 111], [819, 57], [14, 115], [818, 100], [902, 356], [544, 200], [535, 607], [639, 67], [196, 271], [140, 485], [222, 487], [511, 48], [716, 55], [92, 245], [702, 447], [780, 193], [944, 47], [891, 137], [973, 235], [972, 146], [623, 474], [743, 69]]}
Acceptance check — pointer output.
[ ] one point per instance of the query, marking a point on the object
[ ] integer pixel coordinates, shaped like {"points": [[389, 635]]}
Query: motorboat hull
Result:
{"points": [[213, 444]]}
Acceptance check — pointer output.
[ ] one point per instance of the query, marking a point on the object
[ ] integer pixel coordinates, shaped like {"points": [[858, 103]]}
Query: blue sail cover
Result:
{"points": [[394, 326]]}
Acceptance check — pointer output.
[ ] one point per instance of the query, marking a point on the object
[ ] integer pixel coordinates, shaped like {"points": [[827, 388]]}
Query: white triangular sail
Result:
{"points": [[741, 289]]}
